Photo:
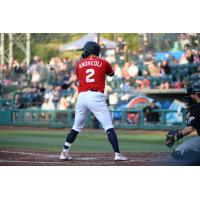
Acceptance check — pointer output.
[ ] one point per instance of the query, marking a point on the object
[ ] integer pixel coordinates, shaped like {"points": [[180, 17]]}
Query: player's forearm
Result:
{"points": [[187, 130]]}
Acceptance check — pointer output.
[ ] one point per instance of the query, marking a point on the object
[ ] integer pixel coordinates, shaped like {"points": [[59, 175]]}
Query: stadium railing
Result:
{"points": [[122, 118], [135, 119]]}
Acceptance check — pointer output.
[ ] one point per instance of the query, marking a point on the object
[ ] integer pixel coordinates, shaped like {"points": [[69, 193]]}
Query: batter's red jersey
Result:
{"points": [[91, 73]]}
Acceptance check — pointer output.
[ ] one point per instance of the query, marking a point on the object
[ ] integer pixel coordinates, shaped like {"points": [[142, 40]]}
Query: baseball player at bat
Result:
{"points": [[190, 149], [91, 72]]}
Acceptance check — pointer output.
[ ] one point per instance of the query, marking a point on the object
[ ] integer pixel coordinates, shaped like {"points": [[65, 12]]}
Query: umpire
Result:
{"points": [[188, 151]]}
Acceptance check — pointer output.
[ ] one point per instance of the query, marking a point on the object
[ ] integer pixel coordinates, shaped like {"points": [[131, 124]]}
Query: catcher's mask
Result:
{"points": [[90, 48], [196, 89]]}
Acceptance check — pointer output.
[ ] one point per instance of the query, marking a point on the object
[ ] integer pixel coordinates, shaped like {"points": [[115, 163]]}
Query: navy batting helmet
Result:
{"points": [[90, 48]]}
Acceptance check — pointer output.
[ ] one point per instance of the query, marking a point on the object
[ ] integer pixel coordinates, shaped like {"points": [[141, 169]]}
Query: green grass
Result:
{"points": [[88, 141]]}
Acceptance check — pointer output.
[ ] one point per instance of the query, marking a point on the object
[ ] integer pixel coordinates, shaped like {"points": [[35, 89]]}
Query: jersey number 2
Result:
{"points": [[90, 73]]}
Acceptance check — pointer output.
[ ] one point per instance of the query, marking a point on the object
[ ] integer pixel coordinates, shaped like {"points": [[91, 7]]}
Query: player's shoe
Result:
{"points": [[120, 157], [65, 156]]}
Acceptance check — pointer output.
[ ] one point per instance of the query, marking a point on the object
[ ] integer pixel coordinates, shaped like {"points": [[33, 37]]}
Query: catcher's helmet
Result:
{"points": [[196, 89], [90, 48], [188, 91], [188, 100]]}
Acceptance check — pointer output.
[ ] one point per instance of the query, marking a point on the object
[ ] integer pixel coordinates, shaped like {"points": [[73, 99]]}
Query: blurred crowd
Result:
{"points": [[53, 85], [140, 70]]}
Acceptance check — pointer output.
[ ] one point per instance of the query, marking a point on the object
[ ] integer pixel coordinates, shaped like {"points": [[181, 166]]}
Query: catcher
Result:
{"points": [[190, 149]]}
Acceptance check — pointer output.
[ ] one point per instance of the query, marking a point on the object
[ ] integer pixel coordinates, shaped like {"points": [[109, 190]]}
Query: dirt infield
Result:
{"points": [[24, 157]]}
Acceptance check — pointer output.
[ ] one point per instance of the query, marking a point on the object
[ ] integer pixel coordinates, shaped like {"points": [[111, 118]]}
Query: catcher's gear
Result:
{"points": [[188, 100], [188, 91], [196, 89], [173, 136], [90, 48]]}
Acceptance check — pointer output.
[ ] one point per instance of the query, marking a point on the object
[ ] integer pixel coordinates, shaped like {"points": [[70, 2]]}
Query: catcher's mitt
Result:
{"points": [[172, 136]]}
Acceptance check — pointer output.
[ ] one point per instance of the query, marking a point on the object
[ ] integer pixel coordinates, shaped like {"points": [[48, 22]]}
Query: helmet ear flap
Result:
{"points": [[84, 54]]}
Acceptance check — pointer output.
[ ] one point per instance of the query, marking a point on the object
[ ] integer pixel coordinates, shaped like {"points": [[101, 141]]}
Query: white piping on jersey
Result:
{"points": [[111, 73]]}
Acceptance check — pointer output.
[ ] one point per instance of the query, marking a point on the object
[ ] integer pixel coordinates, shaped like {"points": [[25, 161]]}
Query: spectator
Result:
{"points": [[117, 79], [59, 80], [49, 92], [63, 68], [63, 104], [103, 49], [41, 88], [35, 77], [150, 115], [133, 70], [164, 85], [43, 71], [110, 56], [126, 88], [147, 46], [165, 67], [145, 71], [145, 83], [5, 71], [117, 70], [125, 72], [178, 85], [18, 102], [121, 50], [34, 65], [183, 59], [134, 56], [189, 56], [56, 94], [66, 81], [196, 54], [193, 40], [184, 41], [47, 105], [16, 70], [51, 79], [153, 69], [74, 92], [73, 77]]}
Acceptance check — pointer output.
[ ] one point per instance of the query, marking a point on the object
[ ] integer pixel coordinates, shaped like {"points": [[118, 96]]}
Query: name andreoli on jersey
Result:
{"points": [[90, 63]]}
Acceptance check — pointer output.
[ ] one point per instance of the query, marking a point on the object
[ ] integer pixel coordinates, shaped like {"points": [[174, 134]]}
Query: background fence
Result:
{"points": [[126, 118]]}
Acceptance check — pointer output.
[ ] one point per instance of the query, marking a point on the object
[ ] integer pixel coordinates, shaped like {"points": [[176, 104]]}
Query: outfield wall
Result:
{"points": [[125, 119]]}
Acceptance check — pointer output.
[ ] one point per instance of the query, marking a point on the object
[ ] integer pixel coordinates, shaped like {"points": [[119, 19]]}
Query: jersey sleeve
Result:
{"points": [[192, 121], [109, 69]]}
